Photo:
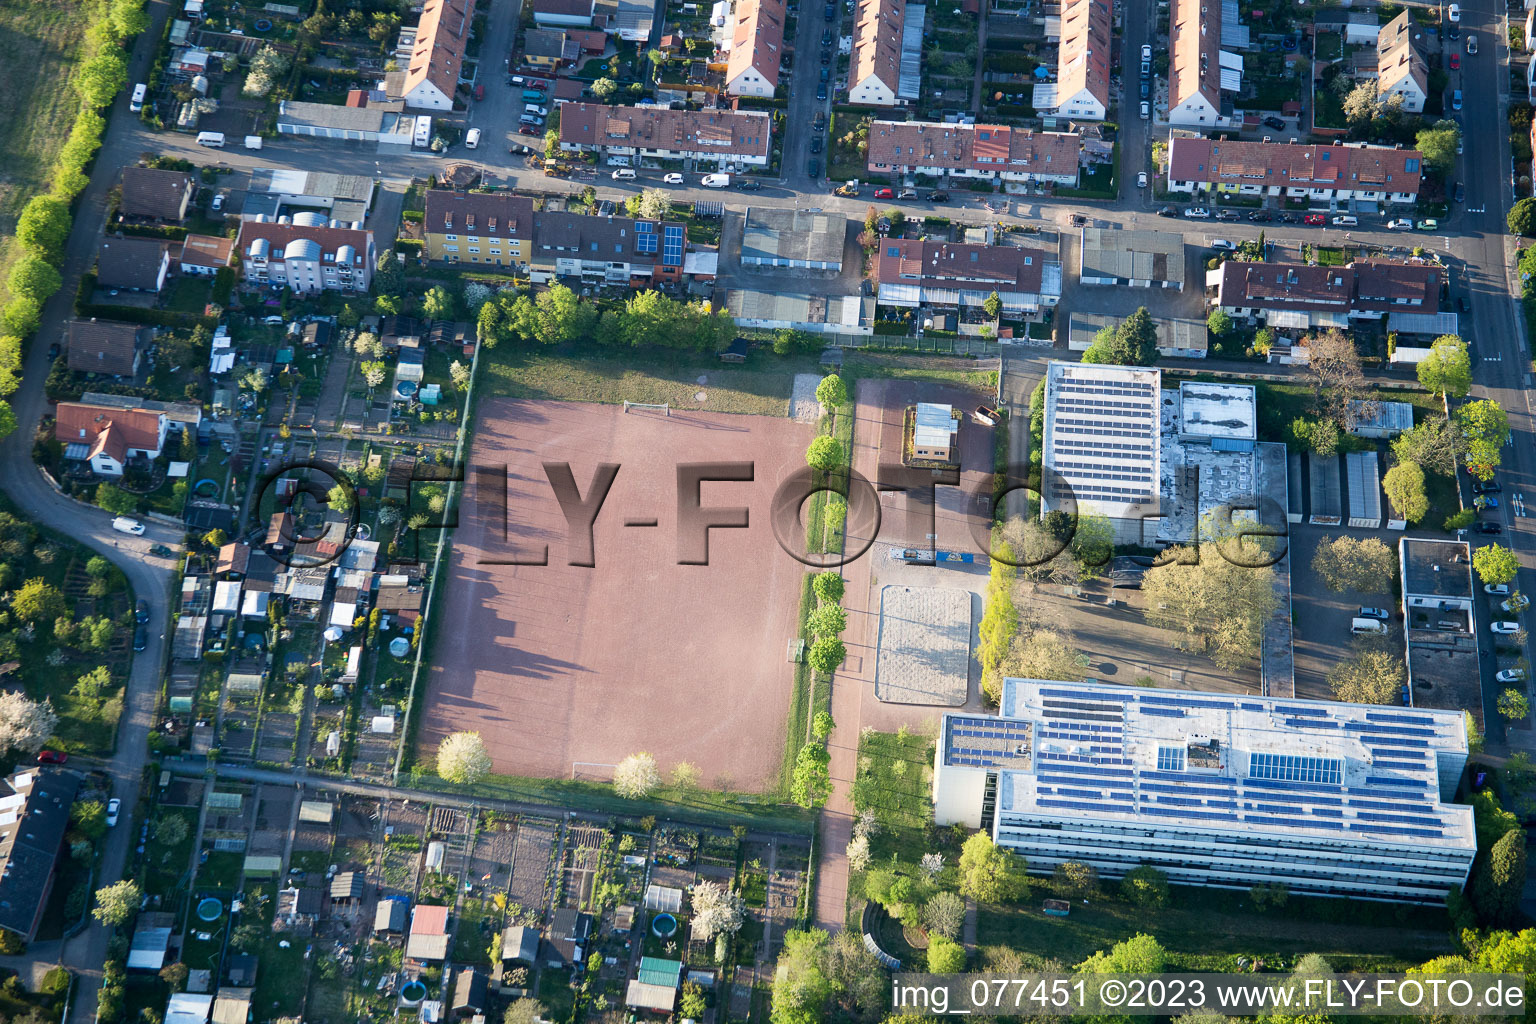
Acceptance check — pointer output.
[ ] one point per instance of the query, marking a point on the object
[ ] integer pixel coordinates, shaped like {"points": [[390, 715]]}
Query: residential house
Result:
{"points": [[307, 255], [1301, 296], [1194, 73], [611, 250], [478, 227], [985, 152], [874, 79], [108, 438], [205, 255], [914, 273], [1400, 68], [152, 193], [724, 138], [1334, 173], [34, 815], [1083, 60], [546, 48], [106, 347], [437, 55], [133, 264], [757, 46]]}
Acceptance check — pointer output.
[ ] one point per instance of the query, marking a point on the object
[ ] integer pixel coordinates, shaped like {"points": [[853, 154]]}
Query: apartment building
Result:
{"points": [[621, 135], [1336, 173], [437, 54], [874, 79], [1215, 789], [1195, 66], [912, 272], [607, 250], [1400, 69], [478, 227], [306, 253], [984, 152], [1301, 296], [1083, 63]]}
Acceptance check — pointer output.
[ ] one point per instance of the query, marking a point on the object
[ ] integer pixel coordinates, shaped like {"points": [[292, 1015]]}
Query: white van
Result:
{"points": [[1345, 221], [122, 524], [624, 174], [136, 104], [253, 142], [1358, 626], [213, 140], [715, 181], [472, 138]]}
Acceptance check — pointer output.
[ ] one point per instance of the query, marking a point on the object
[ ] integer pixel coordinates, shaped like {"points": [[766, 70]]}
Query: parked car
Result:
{"points": [[1146, 110], [1168, 211], [938, 197], [535, 110], [1471, 44], [52, 757], [1198, 213], [813, 168], [1496, 589], [122, 524], [1274, 122], [1261, 216], [1222, 244], [1514, 605], [1453, 13], [1487, 527], [1455, 62], [1314, 218], [1146, 51], [1455, 99], [820, 124], [1463, 306], [1453, 33], [815, 143], [1146, 69], [528, 130], [672, 179], [826, 74], [114, 806], [140, 639], [884, 193], [826, 37], [1429, 225], [1141, 179], [1373, 613], [907, 193], [623, 174], [218, 200], [821, 91], [1504, 626], [1226, 215], [1486, 487], [826, 57], [749, 186], [1345, 221], [715, 180], [1146, 89], [1402, 223], [830, 12], [141, 612], [160, 551], [1461, 192], [1489, 501], [1511, 675]]}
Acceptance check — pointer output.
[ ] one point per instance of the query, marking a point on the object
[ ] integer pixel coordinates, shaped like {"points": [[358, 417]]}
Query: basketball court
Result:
{"points": [[565, 669]]}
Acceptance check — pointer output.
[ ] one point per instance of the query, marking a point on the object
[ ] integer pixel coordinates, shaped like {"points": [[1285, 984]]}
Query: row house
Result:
{"points": [[1195, 87], [437, 55], [621, 135], [1400, 69], [1081, 89], [573, 13], [1334, 173], [478, 227], [607, 250], [757, 47], [306, 253], [1301, 297], [874, 78], [985, 152], [914, 272]]}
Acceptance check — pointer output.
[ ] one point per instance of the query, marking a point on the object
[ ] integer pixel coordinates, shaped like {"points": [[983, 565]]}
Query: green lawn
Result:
{"points": [[166, 864], [1206, 929], [39, 40], [470, 944], [189, 294]]}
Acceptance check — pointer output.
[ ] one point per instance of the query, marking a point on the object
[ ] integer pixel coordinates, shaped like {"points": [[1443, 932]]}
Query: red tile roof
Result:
{"points": [[1363, 286], [968, 147], [740, 133], [441, 36], [1082, 58], [877, 33], [1287, 165], [959, 265], [757, 40], [107, 429]]}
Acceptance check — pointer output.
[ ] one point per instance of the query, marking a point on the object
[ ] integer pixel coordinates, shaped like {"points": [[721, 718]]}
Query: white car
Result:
{"points": [[1198, 213], [673, 179], [1402, 223], [1222, 244], [1496, 589], [1515, 604], [1453, 13], [715, 181], [113, 806], [1471, 45], [122, 524], [1146, 51], [1504, 626], [535, 110], [472, 138], [218, 202], [1141, 179], [1511, 675]]}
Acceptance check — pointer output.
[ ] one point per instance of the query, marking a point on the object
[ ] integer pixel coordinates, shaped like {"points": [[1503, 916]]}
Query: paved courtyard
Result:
{"points": [[924, 651]]}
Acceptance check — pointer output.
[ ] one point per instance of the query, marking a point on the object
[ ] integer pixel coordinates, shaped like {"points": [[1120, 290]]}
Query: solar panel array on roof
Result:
{"points": [[645, 237], [672, 245]]}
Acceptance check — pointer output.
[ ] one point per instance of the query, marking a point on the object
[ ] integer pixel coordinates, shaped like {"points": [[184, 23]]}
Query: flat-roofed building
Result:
{"points": [[1215, 789], [773, 237], [1102, 444], [1132, 259]]}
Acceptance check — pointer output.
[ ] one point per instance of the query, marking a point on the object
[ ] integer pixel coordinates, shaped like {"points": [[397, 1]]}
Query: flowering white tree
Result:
{"points": [[636, 776], [932, 864], [25, 725], [858, 853], [716, 910], [266, 67], [475, 296], [462, 758]]}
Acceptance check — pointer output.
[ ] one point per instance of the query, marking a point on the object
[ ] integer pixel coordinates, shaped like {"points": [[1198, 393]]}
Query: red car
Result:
{"points": [[1455, 62], [51, 757], [1314, 218], [884, 193], [479, 92]]}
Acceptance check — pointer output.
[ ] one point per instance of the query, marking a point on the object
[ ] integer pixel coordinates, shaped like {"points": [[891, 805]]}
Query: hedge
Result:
{"points": [[170, 232]]}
